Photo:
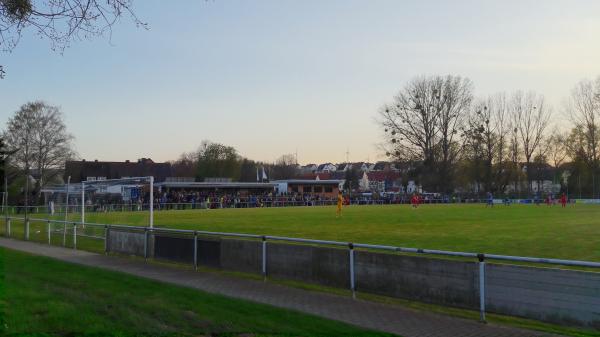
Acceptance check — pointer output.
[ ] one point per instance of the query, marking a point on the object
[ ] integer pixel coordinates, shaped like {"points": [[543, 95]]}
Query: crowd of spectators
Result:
{"points": [[214, 200], [194, 200]]}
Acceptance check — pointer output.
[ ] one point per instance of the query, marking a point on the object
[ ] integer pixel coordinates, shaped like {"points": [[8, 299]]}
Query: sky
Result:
{"points": [[278, 77]]}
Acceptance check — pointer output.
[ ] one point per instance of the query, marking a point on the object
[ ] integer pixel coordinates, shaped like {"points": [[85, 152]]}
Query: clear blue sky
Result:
{"points": [[270, 77]]}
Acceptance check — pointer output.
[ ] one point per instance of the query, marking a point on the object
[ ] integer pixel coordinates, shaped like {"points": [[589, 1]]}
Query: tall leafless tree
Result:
{"points": [[485, 137], [38, 134], [186, 165], [285, 167], [60, 21], [456, 98], [531, 117], [583, 108], [556, 149], [423, 121]]}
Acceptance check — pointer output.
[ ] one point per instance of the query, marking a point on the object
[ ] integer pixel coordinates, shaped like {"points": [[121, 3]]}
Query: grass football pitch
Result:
{"points": [[525, 230], [48, 297]]}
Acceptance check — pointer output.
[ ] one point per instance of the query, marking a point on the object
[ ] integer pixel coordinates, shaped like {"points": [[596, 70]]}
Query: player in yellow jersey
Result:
{"points": [[340, 201]]}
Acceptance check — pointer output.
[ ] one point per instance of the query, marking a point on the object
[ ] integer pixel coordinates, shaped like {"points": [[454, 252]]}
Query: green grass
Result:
{"points": [[525, 230], [40, 295]]}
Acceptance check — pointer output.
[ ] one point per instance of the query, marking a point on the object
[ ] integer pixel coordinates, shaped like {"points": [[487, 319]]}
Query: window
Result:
{"points": [[101, 178], [318, 189], [307, 189], [295, 188], [90, 178], [328, 189]]}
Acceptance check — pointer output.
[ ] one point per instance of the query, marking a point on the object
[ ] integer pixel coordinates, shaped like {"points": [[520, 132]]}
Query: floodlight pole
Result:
{"points": [[151, 205], [82, 202]]}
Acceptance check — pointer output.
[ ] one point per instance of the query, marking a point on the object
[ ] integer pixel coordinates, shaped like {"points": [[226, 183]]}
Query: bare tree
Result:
{"points": [[556, 149], [531, 118], [422, 124], [60, 21], [38, 132], [456, 97], [410, 122], [186, 165], [485, 137], [583, 109], [285, 167]]}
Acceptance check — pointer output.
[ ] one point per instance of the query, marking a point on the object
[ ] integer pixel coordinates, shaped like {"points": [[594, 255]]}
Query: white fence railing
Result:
{"points": [[101, 232]]}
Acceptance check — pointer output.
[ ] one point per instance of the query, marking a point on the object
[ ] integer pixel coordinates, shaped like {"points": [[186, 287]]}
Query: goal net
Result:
{"points": [[126, 201]]}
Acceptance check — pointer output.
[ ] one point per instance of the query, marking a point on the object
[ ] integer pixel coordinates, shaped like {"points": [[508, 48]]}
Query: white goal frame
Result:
{"points": [[149, 179]]}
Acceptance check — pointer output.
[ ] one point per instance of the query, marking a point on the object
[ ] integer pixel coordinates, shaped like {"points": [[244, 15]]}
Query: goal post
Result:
{"points": [[108, 201]]}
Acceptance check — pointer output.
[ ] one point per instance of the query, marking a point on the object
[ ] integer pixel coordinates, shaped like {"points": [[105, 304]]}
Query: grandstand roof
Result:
{"points": [[310, 182], [81, 170], [224, 185]]}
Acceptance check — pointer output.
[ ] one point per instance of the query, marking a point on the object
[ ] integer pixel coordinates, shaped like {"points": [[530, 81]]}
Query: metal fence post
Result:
{"points": [[264, 257], [27, 229], [481, 258], [195, 250], [49, 230], [8, 227], [74, 235], [106, 233], [145, 243], [352, 285]]}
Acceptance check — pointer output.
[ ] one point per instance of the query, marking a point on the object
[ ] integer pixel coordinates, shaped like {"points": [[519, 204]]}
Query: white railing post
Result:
{"points": [[64, 241], [352, 284], [151, 206], [106, 233], [195, 250], [67, 199], [74, 235], [49, 234], [82, 202], [481, 258], [27, 229], [145, 243], [264, 257], [8, 227]]}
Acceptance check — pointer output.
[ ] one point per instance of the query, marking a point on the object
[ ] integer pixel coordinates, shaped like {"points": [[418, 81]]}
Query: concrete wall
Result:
{"points": [[424, 279], [327, 266], [209, 252], [241, 255], [546, 294], [131, 243], [237, 255], [177, 249], [553, 295]]}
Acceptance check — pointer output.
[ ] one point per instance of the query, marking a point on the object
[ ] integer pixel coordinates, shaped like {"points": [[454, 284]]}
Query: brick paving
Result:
{"points": [[370, 315]]}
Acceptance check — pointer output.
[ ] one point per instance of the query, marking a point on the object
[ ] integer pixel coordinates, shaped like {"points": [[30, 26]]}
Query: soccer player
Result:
{"points": [[414, 201], [563, 200], [490, 200], [340, 201]]}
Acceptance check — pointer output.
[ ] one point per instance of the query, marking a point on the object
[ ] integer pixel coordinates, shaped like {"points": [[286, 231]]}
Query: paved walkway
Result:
{"points": [[369, 315]]}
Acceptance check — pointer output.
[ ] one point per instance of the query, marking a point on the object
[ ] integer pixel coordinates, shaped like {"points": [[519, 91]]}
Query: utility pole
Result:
{"points": [[296, 156], [347, 156]]}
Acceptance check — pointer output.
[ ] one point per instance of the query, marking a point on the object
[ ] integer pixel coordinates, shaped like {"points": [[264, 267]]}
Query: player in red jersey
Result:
{"points": [[563, 200]]}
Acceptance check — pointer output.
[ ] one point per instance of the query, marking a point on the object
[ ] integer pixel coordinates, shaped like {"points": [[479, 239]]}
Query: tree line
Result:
{"points": [[35, 146], [215, 160], [504, 143]]}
